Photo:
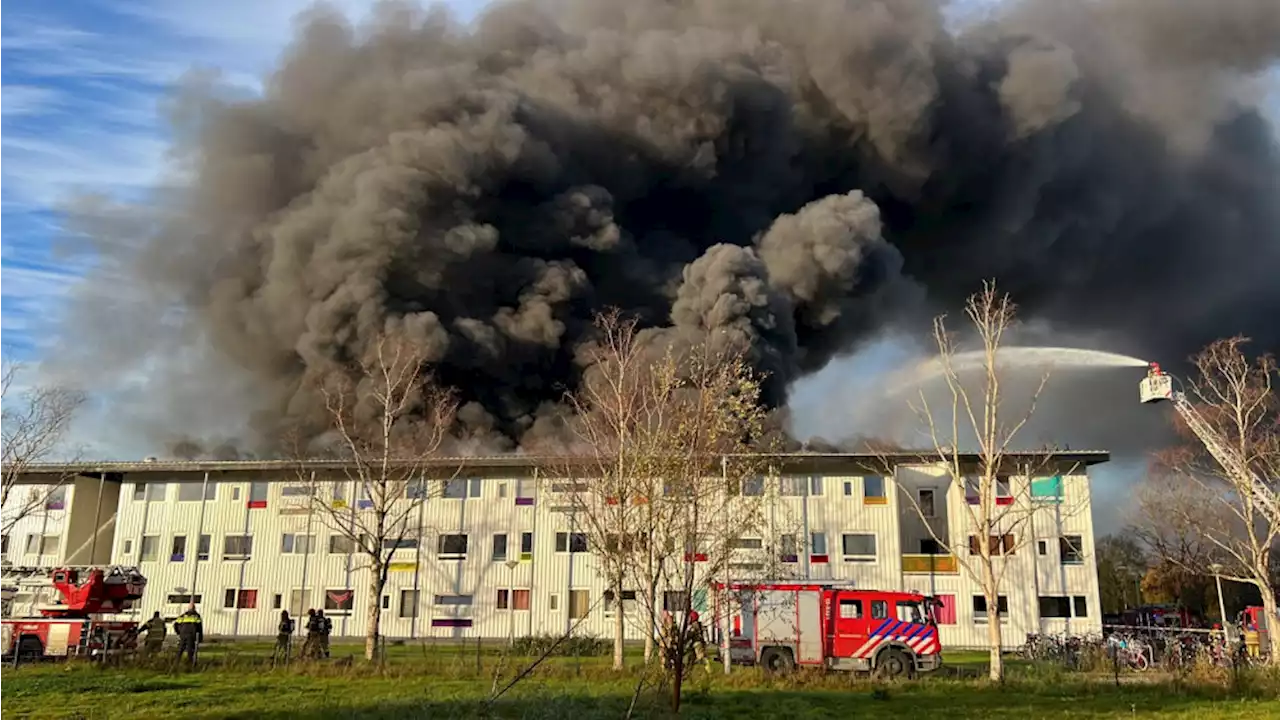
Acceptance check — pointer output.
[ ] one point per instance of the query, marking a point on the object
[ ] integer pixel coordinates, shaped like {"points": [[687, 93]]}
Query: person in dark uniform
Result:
{"points": [[326, 629], [311, 646], [155, 634], [190, 630], [284, 638]]}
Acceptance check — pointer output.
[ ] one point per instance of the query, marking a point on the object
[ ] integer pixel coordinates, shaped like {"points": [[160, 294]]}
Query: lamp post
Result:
{"points": [[1216, 569]]}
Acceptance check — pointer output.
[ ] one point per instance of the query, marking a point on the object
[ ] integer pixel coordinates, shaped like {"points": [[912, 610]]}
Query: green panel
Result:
{"points": [[1047, 489], [700, 600]]}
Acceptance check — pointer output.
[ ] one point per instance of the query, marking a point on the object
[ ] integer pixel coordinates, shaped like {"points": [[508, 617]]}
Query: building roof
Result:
{"points": [[513, 465]]}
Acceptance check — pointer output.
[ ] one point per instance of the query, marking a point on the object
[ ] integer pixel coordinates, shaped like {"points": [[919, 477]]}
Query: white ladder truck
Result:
{"points": [[1157, 386]]}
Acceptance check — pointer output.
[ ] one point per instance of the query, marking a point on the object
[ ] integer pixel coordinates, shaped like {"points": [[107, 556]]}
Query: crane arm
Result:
{"points": [[1159, 386]]}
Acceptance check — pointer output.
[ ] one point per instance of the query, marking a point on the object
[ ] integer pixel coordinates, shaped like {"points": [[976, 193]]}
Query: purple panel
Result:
{"points": [[363, 504], [55, 505], [524, 501], [451, 622]]}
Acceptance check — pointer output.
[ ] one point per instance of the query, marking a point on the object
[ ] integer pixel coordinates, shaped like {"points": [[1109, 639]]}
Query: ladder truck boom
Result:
{"points": [[1158, 386]]}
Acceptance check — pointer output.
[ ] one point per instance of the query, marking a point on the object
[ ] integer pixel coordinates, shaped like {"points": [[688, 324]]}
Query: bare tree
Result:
{"points": [[1000, 512], [1234, 508], [34, 425], [387, 421], [1168, 521]]}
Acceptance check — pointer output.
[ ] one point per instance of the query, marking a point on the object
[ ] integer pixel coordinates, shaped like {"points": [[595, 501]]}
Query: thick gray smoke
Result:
{"points": [[795, 173]]}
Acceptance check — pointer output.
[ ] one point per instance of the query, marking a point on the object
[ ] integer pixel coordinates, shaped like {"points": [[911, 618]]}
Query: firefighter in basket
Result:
{"points": [[189, 627], [155, 634]]}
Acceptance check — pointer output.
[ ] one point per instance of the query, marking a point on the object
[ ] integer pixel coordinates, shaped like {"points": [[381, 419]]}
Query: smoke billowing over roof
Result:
{"points": [[795, 174]]}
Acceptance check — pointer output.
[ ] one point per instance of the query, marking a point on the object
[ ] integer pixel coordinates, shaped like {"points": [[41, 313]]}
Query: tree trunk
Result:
{"points": [[619, 628], [677, 681], [1273, 624], [375, 614], [994, 640]]}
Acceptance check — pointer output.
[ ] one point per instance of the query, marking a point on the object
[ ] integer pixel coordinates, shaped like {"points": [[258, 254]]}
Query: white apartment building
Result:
{"points": [[499, 556]]}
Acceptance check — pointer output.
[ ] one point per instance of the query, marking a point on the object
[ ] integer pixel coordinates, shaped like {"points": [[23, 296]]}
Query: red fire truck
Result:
{"points": [[780, 625], [72, 612]]}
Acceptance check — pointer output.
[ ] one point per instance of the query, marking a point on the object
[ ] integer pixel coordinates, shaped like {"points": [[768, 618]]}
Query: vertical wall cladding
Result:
{"points": [[843, 522], [41, 512]]}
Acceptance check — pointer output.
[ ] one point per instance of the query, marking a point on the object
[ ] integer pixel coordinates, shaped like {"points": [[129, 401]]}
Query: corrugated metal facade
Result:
{"points": [[430, 596]]}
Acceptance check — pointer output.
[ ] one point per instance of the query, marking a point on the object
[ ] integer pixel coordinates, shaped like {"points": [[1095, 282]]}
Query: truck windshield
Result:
{"points": [[910, 611]]}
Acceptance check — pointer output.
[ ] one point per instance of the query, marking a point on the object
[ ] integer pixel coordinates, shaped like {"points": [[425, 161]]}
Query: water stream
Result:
{"points": [[1014, 357]]}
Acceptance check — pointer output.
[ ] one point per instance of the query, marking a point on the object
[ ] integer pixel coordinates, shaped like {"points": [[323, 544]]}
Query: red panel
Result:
{"points": [[695, 557], [818, 559], [1004, 500], [945, 613], [256, 504]]}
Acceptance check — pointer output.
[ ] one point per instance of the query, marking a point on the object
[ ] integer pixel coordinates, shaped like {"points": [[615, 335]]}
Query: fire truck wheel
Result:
{"points": [[777, 660], [893, 663], [29, 648]]}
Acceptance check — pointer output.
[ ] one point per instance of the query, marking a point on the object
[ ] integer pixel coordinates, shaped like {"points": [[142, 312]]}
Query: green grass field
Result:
{"points": [[443, 682]]}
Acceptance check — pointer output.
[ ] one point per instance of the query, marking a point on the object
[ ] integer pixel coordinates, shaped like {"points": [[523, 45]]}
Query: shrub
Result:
{"points": [[574, 645]]}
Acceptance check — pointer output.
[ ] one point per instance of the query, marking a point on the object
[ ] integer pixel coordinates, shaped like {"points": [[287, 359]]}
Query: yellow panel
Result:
{"points": [[401, 567], [935, 564], [875, 501]]}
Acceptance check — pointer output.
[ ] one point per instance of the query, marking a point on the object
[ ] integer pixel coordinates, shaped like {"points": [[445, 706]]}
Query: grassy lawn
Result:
{"points": [[444, 683]]}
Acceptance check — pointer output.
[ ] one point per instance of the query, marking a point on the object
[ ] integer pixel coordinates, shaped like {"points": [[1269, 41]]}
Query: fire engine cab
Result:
{"points": [[786, 624], [70, 611]]}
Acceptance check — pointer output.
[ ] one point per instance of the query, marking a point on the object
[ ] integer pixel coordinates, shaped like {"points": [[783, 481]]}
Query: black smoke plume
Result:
{"points": [[796, 174]]}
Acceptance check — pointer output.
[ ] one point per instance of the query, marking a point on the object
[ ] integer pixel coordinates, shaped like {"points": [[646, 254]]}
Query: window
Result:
{"points": [[675, 600], [1004, 490], [291, 544], [753, 486], [408, 603], [553, 601], [453, 600], [202, 549], [500, 547], [792, 486], [277, 601], [504, 599], [859, 547], [178, 550], [452, 547], [1047, 489], [926, 502], [240, 599], [460, 488], [33, 544], [998, 545], [873, 490], [341, 545], [407, 543], [416, 489], [128, 545], [139, 492], [787, 548], [909, 612], [815, 485], [610, 603], [4, 545], [571, 542], [850, 609], [235, 493], [1081, 606], [526, 544], [502, 490], [818, 543], [290, 491], [258, 492], [56, 499], [299, 601], [49, 544], [237, 547], [579, 604], [386, 602], [747, 543], [929, 546], [1056, 606], [879, 609], [156, 491], [848, 488], [525, 489], [339, 601], [1042, 547], [183, 599], [1071, 548], [150, 548], [520, 599], [191, 492], [980, 608]]}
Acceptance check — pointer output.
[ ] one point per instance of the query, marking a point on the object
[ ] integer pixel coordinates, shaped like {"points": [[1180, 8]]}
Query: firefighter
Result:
{"points": [[698, 637], [326, 629], [189, 628], [155, 634], [284, 637], [311, 646]]}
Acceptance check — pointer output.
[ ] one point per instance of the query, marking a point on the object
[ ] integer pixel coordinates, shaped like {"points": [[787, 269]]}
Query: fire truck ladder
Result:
{"points": [[1158, 386]]}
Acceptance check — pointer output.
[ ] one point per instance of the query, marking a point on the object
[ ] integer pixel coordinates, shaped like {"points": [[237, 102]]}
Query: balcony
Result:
{"points": [[930, 565]]}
